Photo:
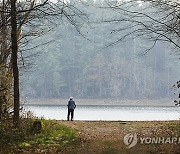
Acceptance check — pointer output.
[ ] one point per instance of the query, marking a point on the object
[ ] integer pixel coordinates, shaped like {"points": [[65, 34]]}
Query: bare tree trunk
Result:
{"points": [[14, 60], [2, 57]]}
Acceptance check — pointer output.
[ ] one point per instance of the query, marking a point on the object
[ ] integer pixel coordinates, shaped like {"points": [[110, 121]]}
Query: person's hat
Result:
{"points": [[71, 97]]}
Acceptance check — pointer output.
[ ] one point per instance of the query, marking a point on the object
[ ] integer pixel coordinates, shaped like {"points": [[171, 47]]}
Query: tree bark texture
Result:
{"points": [[14, 60]]}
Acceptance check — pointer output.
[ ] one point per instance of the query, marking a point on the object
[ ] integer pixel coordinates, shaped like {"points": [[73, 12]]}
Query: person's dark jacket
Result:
{"points": [[71, 104]]}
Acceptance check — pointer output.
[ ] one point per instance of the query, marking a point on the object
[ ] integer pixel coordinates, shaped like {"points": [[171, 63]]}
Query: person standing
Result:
{"points": [[71, 106]]}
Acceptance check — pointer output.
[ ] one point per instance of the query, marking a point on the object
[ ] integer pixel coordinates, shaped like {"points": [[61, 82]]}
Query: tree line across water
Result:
{"points": [[91, 67]]}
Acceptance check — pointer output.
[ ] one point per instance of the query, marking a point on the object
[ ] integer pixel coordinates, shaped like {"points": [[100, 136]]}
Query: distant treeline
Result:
{"points": [[83, 66]]}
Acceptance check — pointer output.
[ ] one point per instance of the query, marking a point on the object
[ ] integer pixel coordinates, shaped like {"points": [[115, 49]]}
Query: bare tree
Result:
{"points": [[29, 20], [154, 20], [5, 72], [14, 61]]}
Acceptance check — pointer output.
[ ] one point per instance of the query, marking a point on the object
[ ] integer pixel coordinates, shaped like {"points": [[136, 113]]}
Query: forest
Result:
{"points": [[82, 61]]}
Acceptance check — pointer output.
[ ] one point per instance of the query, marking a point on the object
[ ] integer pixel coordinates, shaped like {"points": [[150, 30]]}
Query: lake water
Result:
{"points": [[107, 112]]}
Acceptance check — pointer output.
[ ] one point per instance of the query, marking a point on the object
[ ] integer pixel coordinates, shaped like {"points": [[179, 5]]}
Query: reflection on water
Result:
{"points": [[106, 112]]}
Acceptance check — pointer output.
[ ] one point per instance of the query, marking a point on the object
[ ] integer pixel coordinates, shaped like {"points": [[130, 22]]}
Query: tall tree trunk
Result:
{"points": [[3, 53], [14, 60]]}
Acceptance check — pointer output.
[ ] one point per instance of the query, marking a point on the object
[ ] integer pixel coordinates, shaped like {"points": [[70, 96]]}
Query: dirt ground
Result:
{"points": [[108, 137]]}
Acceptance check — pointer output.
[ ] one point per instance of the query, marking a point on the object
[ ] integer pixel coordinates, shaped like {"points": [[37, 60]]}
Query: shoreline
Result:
{"points": [[108, 102]]}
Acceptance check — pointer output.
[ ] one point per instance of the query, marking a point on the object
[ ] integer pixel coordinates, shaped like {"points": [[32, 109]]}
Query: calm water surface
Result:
{"points": [[107, 112]]}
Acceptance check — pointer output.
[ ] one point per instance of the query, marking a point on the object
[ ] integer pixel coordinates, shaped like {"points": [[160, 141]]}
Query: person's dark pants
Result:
{"points": [[70, 111]]}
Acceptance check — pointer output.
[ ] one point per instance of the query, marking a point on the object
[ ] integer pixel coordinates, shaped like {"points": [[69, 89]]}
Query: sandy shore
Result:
{"points": [[143, 102]]}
